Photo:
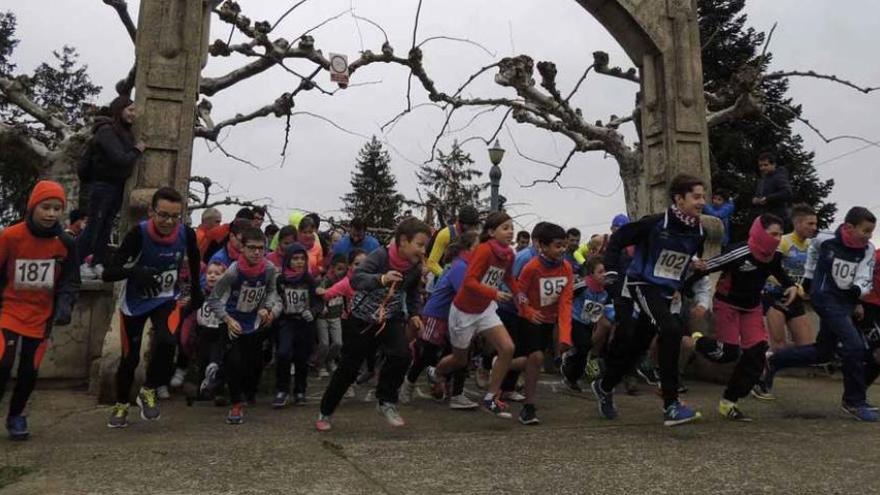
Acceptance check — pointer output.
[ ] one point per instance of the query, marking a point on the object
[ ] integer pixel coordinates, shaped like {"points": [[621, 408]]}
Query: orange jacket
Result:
{"points": [[39, 277], [485, 273], [550, 290]]}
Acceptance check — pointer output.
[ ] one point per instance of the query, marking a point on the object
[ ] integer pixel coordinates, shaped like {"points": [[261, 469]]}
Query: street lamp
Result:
{"points": [[496, 153]]}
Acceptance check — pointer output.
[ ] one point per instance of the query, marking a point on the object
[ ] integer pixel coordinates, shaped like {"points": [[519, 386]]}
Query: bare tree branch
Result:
{"points": [[15, 93], [601, 62], [745, 106], [818, 132], [828, 77], [286, 13], [462, 40], [121, 8], [578, 85]]}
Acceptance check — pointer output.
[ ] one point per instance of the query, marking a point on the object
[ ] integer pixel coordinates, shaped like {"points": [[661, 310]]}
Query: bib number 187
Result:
{"points": [[34, 274]]}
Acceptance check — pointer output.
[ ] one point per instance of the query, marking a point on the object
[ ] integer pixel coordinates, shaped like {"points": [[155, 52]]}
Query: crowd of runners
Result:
{"points": [[475, 299]]}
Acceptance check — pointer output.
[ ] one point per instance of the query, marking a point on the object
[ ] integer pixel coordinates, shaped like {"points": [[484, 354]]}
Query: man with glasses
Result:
{"points": [[149, 260]]}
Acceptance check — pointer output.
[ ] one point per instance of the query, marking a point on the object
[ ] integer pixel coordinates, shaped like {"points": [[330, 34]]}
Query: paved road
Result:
{"points": [[800, 444]]}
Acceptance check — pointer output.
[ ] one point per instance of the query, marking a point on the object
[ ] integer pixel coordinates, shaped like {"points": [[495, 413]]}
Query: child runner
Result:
{"points": [[208, 335], [432, 341], [40, 276], [474, 309], [592, 312], [665, 244], [387, 280], [286, 236], [309, 239], [740, 334], [869, 324], [838, 273], [547, 281], [246, 301], [232, 250], [149, 260], [296, 327], [329, 322]]}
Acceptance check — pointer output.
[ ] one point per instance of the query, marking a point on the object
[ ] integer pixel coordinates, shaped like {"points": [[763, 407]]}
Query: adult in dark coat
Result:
{"points": [[773, 193]]}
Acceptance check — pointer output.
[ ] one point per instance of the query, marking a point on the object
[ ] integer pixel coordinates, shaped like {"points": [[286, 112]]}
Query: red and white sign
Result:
{"points": [[339, 68]]}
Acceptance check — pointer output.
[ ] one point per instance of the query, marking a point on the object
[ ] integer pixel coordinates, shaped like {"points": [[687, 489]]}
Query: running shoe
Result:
{"points": [[731, 411], [573, 386], [118, 416], [678, 413], [99, 271], [762, 392], [163, 393], [87, 272], [17, 428], [177, 379], [594, 369], [210, 382], [648, 372], [496, 408], [482, 378], [513, 396], [323, 423], [389, 411], [462, 402], [146, 400], [605, 400], [299, 399], [364, 377], [281, 400], [349, 394], [872, 407], [406, 392], [236, 414], [861, 413], [527, 415]]}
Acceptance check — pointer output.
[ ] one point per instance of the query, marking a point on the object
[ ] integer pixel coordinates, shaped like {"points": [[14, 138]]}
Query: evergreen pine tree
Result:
{"points": [[374, 197], [448, 183], [730, 51]]}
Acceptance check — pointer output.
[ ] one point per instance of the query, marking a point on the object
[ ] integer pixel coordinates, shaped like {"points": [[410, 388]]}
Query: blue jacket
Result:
{"points": [[345, 245], [444, 291], [839, 275], [724, 212]]}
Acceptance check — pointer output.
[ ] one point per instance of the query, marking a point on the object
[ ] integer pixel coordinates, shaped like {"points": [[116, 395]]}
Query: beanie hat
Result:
{"points": [[46, 189], [620, 220]]}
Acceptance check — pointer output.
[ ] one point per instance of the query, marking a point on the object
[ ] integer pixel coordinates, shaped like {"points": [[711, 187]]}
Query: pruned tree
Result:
{"points": [[448, 182], [374, 197]]}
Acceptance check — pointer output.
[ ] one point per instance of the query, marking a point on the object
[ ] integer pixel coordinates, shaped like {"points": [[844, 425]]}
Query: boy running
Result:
{"points": [[150, 260], [39, 276]]}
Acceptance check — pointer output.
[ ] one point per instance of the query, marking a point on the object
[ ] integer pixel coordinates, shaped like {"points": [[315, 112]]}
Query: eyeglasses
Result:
{"points": [[167, 216], [255, 248]]}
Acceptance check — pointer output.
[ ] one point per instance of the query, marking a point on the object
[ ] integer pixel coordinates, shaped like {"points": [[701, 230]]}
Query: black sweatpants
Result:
{"points": [[294, 343], [31, 351], [426, 354], [574, 361], [359, 340], [161, 352], [243, 364], [633, 337]]}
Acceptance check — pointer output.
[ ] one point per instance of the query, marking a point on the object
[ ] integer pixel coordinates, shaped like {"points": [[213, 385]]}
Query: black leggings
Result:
{"points": [[31, 354], [574, 361], [633, 337], [360, 339], [427, 354], [243, 364], [294, 344], [162, 348]]}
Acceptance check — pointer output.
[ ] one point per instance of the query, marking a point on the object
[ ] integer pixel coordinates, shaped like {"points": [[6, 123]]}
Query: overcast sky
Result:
{"points": [[818, 35]]}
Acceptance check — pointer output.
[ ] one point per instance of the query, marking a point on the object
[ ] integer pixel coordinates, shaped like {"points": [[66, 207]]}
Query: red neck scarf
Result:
{"points": [[761, 244], [232, 252], [595, 286], [397, 261], [849, 237], [501, 251], [155, 236], [248, 270]]}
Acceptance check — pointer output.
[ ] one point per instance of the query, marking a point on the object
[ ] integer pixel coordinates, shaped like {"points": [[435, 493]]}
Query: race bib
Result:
{"points": [[295, 300], [843, 272], [167, 282], [671, 264], [551, 288], [493, 277], [592, 311], [206, 317], [34, 274], [249, 298]]}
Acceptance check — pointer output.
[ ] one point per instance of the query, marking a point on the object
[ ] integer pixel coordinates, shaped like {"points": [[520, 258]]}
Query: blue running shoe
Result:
{"points": [[678, 414], [17, 428], [861, 413], [605, 401]]}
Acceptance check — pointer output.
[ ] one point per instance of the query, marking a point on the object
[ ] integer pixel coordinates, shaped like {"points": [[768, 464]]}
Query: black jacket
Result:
{"points": [[777, 189], [111, 154]]}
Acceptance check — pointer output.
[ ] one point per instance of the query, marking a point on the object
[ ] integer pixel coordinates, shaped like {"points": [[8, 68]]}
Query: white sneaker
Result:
{"points": [[513, 396], [210, 378], [406, 391], [349, 394], [163, 393], [462, 402], [371, 395], [389, 412], [323, 373], [177, 379], [99, 271], [87, 272]]}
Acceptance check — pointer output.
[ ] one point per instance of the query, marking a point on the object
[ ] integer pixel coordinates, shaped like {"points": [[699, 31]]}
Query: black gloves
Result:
{"points": [[146, 278]]}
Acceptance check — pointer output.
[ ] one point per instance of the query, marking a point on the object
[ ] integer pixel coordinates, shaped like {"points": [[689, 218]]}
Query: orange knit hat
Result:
{"points": [[46, 189]]}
